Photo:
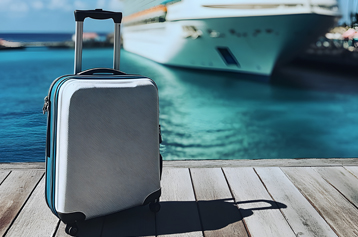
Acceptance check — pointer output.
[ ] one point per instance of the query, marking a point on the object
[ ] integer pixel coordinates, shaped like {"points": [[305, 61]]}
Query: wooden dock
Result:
{"points": [[304, 197]]}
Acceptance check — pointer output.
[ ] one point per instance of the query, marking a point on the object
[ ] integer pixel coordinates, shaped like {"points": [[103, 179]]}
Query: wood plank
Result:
{"points": [[219, 213], [22, 165], [339, 213], [3, 175], [352, 169], [14, 192], [342, 180], [61, 230], [261, 214], [35, 218], [179, 214], [301, 215], [307, 162]]}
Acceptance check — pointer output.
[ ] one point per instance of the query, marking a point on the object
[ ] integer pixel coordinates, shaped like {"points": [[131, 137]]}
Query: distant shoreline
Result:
{"points": [[41, 37]]}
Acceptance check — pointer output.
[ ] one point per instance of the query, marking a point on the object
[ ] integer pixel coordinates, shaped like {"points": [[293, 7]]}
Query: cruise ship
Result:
{"points": [[249, 36]]}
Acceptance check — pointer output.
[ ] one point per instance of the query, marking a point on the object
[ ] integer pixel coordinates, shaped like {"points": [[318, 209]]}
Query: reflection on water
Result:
{"points": [[212, 115], [203, 114]]}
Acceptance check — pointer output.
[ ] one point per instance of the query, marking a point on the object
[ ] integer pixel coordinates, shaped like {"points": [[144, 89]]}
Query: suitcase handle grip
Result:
{"points": [[80, 15], [98, 14], [101, 70]]}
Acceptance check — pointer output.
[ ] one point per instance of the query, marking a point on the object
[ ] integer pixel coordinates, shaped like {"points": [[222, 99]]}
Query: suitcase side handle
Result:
{"points": [[80, 15], [98, 14], [101, 70]]}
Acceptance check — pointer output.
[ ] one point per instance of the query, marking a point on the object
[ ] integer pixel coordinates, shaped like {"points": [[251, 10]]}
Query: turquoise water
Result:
{"points": [[204, 115]]}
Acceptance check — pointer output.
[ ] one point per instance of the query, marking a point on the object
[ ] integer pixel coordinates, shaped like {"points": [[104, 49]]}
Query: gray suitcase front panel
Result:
{"points": [[108, 145]]}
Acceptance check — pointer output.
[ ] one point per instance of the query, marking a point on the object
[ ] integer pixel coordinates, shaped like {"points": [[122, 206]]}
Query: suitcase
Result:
{"points": [[103, 135]]}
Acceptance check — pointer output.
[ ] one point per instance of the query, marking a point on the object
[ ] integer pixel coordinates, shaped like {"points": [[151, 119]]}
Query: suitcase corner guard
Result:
{"points": [[153, 197], [68, 218]]}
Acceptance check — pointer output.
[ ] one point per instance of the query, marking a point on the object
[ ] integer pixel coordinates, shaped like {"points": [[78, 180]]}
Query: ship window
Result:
{"points": [[227, 56]]}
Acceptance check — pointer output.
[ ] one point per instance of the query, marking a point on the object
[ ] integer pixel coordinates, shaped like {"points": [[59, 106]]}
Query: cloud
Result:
{"points": [[13, 6], [19, 7], [37, 5], [4, 3], [101, 4], [110, 5], [80, 5], [115, 5], [60, 5]]}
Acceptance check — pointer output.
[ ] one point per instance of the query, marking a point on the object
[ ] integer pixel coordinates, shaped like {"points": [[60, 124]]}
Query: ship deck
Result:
{"points": [[310, 197]]}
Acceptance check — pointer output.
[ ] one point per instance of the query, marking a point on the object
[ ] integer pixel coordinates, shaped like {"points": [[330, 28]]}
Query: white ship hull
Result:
{"points": [[249, 44]]}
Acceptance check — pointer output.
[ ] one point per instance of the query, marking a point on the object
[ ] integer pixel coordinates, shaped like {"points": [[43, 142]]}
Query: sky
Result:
{"points": [[346, 6], [57, 15], [52, 15]]}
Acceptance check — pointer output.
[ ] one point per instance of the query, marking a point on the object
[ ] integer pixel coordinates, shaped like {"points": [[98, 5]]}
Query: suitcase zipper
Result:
{"points": [[46, 107], [51, 171]]}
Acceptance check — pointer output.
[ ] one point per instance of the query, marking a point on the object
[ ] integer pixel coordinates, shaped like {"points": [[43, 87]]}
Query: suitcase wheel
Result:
{"points": [[154, 206], [71, 229]]}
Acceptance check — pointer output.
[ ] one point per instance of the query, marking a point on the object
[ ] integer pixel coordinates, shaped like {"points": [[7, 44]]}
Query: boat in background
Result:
{"points": [[250, 36], [9, 45]]}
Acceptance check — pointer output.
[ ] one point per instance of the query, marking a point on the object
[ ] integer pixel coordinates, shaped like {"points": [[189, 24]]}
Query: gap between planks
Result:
{"points": [[297, 162]]}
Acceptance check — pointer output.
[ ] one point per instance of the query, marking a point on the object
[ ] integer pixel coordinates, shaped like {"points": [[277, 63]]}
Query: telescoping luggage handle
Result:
{"points": [[99, 14]]}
